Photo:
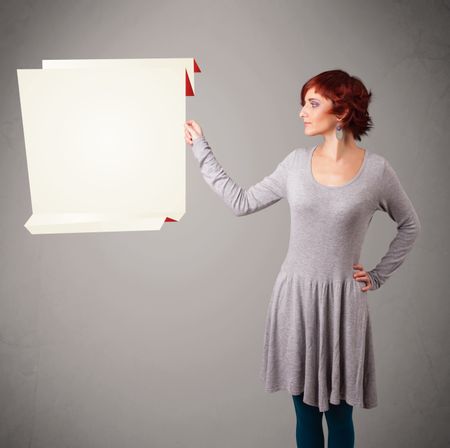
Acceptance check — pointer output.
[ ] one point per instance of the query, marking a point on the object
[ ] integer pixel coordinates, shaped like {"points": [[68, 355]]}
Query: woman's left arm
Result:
{"points": [[395, 202]]}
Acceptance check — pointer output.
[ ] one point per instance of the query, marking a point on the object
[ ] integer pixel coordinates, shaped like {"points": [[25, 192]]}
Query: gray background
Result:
{"points": [[155, 338]]}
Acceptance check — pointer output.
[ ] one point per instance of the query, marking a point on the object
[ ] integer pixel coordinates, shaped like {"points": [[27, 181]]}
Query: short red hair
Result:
{"points": [[348, 93]]}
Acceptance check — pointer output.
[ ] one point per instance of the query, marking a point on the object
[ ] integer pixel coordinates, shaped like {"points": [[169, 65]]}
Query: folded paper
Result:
{"points": [[105, 143]]}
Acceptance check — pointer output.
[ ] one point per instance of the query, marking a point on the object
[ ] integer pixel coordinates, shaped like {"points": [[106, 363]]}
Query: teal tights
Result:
{"points": [[309, 433]]}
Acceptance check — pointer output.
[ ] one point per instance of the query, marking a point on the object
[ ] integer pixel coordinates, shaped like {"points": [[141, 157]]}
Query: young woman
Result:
{"points": [[318, 339]]}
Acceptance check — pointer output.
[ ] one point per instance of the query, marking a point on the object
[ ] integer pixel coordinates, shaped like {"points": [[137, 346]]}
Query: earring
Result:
{"points": [[339, 132]]}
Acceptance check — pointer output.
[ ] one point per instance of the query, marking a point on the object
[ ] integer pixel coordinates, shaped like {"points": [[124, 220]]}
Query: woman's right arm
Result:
{"points": [[241, 201]]}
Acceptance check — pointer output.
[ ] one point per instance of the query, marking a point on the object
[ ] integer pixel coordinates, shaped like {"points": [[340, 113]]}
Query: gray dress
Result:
{"points": [[318, 337]]}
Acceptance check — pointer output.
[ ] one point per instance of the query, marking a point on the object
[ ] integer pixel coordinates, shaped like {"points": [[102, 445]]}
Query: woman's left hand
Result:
{"points": [[362, 276]]}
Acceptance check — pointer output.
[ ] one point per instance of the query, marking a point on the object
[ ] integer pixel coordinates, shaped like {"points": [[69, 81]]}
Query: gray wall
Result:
{"points": [[155, 338]]}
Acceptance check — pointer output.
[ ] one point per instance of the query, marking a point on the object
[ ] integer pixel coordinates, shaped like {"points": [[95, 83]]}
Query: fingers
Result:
{"points": [[193, 129], [190, 128], [360, 268], [362, 276], [187, 137], [193, 126], [187, 134]]}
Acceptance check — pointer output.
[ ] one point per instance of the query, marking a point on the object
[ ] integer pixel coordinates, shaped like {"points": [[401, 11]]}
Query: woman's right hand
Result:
{"points": [[192, 130]]}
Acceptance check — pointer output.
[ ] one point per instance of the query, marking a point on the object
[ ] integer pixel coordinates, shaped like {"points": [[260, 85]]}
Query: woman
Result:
{"points": [[318, 339]]}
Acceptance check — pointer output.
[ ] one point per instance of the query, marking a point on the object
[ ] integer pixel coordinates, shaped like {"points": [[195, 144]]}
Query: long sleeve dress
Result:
{"points": [[318, 337]]}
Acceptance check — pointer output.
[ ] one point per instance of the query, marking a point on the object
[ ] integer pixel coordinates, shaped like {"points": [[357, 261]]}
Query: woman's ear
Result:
{"points": [[344, 115]]}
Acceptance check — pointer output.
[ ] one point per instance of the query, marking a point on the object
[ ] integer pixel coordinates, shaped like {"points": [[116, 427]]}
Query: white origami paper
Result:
{"points": [[105, 143]]}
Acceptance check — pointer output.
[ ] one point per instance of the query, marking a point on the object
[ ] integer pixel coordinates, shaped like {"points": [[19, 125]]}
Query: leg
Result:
{"points": [[309, 432], [341, 433]]}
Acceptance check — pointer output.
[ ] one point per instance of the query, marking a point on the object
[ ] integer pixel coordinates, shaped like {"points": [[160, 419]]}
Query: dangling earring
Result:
{"points": [[339, 132]]}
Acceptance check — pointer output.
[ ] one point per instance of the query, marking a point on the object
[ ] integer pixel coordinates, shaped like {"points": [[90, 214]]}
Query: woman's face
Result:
{"points": [[315, 114]]}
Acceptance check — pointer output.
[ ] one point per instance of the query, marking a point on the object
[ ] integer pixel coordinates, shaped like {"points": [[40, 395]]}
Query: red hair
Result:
{"points": [[348, 95]]}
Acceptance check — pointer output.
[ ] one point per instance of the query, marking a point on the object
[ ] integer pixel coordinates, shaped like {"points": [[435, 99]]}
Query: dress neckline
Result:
{"points": [[355, 177]]}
